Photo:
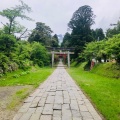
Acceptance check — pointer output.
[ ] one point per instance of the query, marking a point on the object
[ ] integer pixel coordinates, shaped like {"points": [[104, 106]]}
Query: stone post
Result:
{"points": [[52, 58], [68, 56]]}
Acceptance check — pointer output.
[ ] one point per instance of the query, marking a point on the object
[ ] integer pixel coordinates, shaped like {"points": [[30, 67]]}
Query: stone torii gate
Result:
{"points": [[63, 51], [66, 53]]}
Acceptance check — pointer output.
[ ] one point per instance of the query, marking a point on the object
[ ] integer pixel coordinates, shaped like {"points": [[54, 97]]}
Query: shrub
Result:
{"points": [[23, 73], [38, 54], [16, 76], [1, 75], [1, 70], [40, 64], [7, 43]]}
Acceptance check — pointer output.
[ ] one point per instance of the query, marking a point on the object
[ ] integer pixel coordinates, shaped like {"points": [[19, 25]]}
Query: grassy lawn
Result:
{"points": [[104, 92], [33, 77]]}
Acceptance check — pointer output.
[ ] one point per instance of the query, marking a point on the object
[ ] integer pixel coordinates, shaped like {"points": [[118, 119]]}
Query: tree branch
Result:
{"points": [[3, 24], [22, 34]]}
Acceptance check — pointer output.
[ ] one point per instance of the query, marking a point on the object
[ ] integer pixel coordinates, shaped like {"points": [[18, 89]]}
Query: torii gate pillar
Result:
{"points": [[68, 55], [52, 58]]}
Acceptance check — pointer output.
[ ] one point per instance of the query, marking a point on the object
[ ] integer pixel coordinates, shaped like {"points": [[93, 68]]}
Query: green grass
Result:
{"points": [[33, 77], [107, 69], [104, 92], [18, 97]]}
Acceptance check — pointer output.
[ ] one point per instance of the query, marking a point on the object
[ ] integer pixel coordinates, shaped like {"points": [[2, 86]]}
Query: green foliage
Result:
{"points": [[39, 54], [11, 14], [95, 50], [66, 40], [4, 61], [21, 74], [40, 63], [1, 75], [107, 69], [104, 49], [42, 34], [16, 76], [7, 42], [113, 31], [20, 54], [55, 41], [98, 34], [34, 77], [113, 47], [81, 23], [83, 17]]}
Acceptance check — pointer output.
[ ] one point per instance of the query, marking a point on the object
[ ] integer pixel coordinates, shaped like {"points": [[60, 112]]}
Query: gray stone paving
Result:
{"points": [[58, 98]]}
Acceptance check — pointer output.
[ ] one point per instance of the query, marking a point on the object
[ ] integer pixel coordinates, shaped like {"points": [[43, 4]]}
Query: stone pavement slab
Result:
{"points": [[58, 98]]}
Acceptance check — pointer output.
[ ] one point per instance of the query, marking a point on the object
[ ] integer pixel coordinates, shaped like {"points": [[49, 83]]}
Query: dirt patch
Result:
{"points": [[6, 96]]}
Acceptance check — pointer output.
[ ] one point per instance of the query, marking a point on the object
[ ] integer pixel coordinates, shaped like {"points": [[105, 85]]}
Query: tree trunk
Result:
{"points": [[9, 32]]}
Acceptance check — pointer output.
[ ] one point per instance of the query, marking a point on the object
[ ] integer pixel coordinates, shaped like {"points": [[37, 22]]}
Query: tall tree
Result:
{"points": [[81, 23], [11, 14], [66, 40], [98, 34], [56, 37], [55, 41], [42, 34]]}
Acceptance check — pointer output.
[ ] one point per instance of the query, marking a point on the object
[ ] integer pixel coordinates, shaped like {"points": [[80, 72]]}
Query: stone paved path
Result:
{"points": [[58, 98]]}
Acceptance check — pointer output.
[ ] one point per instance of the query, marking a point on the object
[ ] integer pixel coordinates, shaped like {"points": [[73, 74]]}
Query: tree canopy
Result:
{"points": [[11, 14], [104, 49], [80, 24], [55, 41], [66, 40], [83, 17], [42, 33], [98, 34]]}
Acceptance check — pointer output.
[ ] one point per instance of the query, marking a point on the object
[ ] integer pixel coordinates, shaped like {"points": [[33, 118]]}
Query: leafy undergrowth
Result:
{"points": [[33, 77], [103, 91], [107, 69]]}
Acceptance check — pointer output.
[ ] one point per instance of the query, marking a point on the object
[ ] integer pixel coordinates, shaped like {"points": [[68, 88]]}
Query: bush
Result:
{"points": [[40, 64], [13, 66], [23, 73], [104, 49], [27, 72], [1, 70], [16, 76], [26, 64], [7, 43], [1, 75], [39, 54]]}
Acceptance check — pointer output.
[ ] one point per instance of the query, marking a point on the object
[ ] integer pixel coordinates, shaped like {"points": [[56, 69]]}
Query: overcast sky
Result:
{"points": [[57, 13]]}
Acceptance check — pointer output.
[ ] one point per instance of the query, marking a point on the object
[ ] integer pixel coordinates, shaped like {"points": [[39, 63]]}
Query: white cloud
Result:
{"points": [[57, 13]]}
